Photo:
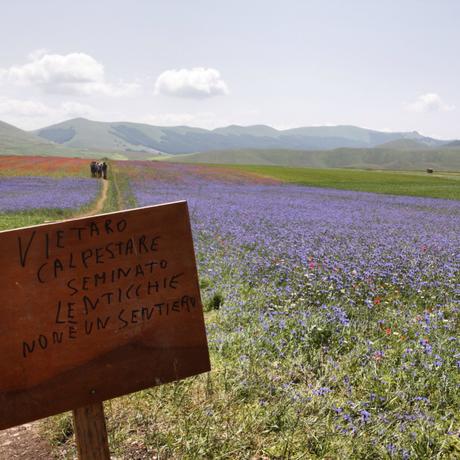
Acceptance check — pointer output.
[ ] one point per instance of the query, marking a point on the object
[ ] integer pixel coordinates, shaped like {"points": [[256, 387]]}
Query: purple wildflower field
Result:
{"points": [[333, 318], [24, 193]]}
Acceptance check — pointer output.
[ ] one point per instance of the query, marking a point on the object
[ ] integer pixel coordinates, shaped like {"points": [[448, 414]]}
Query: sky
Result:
{"points": [[390, 65]]}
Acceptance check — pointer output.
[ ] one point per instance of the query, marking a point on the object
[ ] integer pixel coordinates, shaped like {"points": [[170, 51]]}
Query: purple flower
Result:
{"points": [[322, 391], [365, 416], [28, 192]]}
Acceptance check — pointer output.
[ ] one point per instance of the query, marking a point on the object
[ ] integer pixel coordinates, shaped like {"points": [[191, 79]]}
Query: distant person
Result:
{"points": [[104, 170], [93, 168]]}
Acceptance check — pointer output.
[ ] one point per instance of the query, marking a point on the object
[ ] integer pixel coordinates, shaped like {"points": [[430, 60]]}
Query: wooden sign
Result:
{"points": [[95, 308]]}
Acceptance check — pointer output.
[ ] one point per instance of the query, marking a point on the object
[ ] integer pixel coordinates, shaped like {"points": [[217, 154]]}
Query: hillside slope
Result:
{"points": [[452, 144], [377, 158], [404, 144], [18, 142], [15, 141], [127, 136]]}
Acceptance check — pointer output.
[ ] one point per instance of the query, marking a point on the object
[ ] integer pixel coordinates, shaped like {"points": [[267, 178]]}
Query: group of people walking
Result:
{"points": [[99, 169]]}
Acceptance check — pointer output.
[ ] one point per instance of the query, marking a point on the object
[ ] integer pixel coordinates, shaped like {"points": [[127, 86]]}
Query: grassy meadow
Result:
{"points": [[332, 316], [438, 185]]}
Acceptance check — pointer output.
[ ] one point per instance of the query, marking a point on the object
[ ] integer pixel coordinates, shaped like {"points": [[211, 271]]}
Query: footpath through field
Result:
{"points": [[25, 442], [99, 205]]}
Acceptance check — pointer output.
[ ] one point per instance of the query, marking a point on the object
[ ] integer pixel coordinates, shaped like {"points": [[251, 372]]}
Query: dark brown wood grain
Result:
{"points": [[95, 308], [91, 432]]}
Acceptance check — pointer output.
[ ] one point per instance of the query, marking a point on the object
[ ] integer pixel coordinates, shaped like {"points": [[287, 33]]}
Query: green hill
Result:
{"points": [[452, 144], [15, 141], [126, 136], [341, 146], [377, 158], [121, 137], [82, 133], [404, 144]]}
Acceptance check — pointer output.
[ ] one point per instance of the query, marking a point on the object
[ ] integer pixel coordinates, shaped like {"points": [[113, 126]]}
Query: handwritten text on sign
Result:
{"points": [[95, 308]]}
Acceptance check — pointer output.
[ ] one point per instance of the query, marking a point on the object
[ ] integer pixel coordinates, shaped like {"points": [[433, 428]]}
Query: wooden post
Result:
{"points": [[91, 432]]}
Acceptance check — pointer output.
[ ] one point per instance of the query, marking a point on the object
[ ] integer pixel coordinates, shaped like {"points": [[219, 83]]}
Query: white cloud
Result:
{"points": [[429, 102], [29, 113], [18, 107], [198, 83], [74, 73], [37, 54]]}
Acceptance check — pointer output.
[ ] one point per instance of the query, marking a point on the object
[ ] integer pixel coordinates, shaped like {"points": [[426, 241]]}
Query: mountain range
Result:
{"points": [[322, 146], [129, 137]]}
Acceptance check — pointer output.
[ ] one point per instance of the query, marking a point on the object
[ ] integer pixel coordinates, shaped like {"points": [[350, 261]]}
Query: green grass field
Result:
{"points": [[440, 185]]}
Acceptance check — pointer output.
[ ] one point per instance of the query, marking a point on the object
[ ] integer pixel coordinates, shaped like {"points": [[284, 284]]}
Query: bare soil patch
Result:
{"points": [[24, 442]]}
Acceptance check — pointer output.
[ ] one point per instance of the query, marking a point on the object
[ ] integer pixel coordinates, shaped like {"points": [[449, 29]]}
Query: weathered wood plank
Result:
{"points": [[95, 308], [91, 432]]}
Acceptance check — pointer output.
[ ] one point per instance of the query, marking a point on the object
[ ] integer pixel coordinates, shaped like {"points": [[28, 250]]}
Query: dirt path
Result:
{"points": [[24, 442], [99, 206]]}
